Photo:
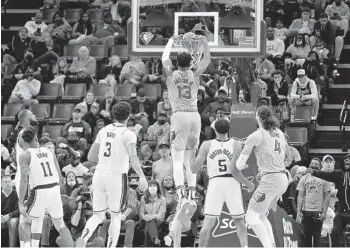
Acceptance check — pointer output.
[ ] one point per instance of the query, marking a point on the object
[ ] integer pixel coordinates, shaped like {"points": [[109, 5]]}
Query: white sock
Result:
{"points": [[91, 226], [35, 243], [178, 167], [26, 244], [114, 228], [269, 229], [21, 243]]}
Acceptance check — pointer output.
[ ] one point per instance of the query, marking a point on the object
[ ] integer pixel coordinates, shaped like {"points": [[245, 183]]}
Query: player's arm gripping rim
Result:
{"points": [[204, 63], [202, 155], [237, 174], [253, 140], [24, 160], [136, 165]]}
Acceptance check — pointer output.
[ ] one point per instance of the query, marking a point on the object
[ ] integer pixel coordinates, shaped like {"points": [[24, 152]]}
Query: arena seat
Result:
{"points": [[121, 51], [47, 15], [99, 52], [99, 90], [71, 51], [74, 93], [9, 112], [61, 113], [303, 113], [50, 92], [72, 15], [41, 110], [124, 91], [6, 130], [95, 15], [54, 130], [153, 91], [299, 139], [9, 70]]}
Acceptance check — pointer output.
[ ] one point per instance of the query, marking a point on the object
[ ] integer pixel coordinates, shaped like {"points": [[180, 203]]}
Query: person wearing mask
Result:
{"points": [[14, 52], [9, 209], [274, 46], [164, 166], [160, 130], [313, 202], [341, 179], [152, 211], [77, 125], [70, 185], [26, 89], [106, 105], [25, 64], [278, 89], [299, 49], [36, 26], [304, 92]]}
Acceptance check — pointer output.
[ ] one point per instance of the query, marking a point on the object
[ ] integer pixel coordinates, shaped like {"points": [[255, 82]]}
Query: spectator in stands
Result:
{"points": [[152, 210], [14, 52], [304, 25], [280, 30], [76, 167], [35, 27], [134, 127], [341, 180], [106, 105], [313, 202], [274, 46], [108, 33], [86, 104], [201, 104], [314, 69], [294, 154], [71, 183], [154, 72], [100, 123], [273, 10], [112, 72], [9, 209], [278, 89], [143, 109], [5, 157], [171, 198], [44, 50], [51, 146], [304, 92], [265, 68], [133, 71], [164, 105], [321, 50], [59, 30], [84, 66], [25, 64], [77, 125], [326, 30], [26, 89], [339, 14], [82, 29], [299, 49], [121, 12], [160, 130], [164, 166]]}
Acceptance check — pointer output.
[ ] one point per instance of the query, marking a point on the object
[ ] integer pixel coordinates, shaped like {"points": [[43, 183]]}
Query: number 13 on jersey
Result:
{"points": [[184, 92]]}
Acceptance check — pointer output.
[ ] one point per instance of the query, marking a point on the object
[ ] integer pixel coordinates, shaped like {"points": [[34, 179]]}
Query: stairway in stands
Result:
{"points": [[328, 137]]}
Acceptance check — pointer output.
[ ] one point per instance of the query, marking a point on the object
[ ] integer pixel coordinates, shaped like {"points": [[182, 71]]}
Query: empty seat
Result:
{"points": [[99, 52], [124, 91], [6, 130], [74, 93], [99, 90], [298, 137], [61, 113], [54, 130], [121, 51], [9, 69], [95, 15], [48, 15], [50, 92], [71, 51], [10, 111], [42, 111], [72, 15], [153, 91]]}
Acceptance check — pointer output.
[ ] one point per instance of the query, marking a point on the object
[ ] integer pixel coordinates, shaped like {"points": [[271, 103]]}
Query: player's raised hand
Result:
{"points": [[250, 187], [143, 184]]}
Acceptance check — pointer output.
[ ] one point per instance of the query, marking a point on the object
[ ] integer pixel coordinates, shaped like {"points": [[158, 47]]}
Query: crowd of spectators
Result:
{"points": [[304, 43]]}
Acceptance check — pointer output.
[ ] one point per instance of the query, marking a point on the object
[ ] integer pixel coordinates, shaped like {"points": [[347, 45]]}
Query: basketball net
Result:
{"points": [[191, 46]]}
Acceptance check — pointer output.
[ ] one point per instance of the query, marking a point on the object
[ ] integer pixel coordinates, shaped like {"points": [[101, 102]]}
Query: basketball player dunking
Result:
{"points": [[183, 85], [25, 119], [271, 151], [224, 186], [39, 165]]}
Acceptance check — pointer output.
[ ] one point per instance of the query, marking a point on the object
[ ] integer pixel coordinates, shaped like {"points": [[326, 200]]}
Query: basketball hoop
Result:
{"points": [[192, 46]]}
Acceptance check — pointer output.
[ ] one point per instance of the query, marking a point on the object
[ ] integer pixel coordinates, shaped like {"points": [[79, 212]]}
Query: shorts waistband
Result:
{"points": [[46, 186], [185, 110], [225, 175], [269, 173]]}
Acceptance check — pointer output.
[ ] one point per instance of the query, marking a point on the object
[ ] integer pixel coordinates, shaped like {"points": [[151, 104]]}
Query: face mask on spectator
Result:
{"points": [[72, 140], [161, 121], [71, 183], [29, 57], [299, 42], [152, 190]]}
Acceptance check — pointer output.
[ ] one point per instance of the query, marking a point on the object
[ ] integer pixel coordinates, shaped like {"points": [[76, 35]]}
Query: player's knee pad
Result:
{"points": [[252, 218]]}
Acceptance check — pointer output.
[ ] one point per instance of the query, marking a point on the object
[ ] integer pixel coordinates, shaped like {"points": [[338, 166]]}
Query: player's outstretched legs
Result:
{"points": [[114, 229], [269, 229], [242, 231], [204, 234], [91, 225], [178, 171], [65, 234], [254, 220], [36, 230], [189, 157], [24, 233]]}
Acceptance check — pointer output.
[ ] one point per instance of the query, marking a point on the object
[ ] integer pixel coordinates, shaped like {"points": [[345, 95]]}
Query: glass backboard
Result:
{"points": [[232, 27]]}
